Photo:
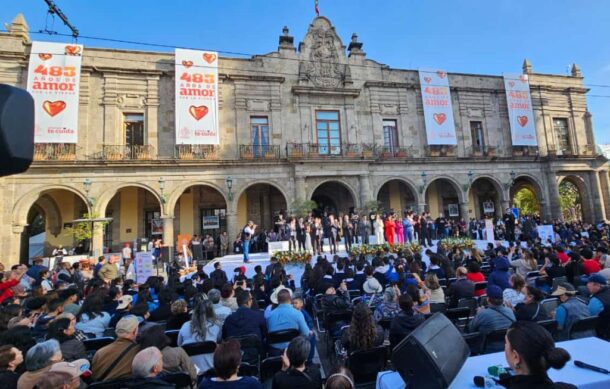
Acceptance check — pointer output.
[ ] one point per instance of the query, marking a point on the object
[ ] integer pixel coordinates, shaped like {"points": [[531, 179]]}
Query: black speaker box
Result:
{"points": [[432, 355]]}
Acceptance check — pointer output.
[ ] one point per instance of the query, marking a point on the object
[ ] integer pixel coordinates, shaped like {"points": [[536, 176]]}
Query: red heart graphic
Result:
{"points": [[53, 107], [72, 50], [44, 56], [209, 57], [441, 74], [198, 112], [522, 120], [187, 64], [511, 83], [440, 118], [427, 79]]}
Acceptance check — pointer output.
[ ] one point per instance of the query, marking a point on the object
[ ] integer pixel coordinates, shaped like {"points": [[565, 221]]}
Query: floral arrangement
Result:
{"points": [[407, 248], [296, 258], [449, 244]]}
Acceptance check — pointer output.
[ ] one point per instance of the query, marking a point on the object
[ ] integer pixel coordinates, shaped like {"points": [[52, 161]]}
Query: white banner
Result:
{"points": [[53, 81], [438, 113], [489, 230], [546, 232], [144, 266], [197, 97], [520, 113]]}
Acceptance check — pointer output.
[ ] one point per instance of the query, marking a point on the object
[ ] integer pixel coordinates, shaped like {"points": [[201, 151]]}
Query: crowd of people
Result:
{"points": [[49, 317]]}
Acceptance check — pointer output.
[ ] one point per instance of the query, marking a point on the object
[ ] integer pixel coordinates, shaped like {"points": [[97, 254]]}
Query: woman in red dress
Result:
{"points": [[389, 227]]}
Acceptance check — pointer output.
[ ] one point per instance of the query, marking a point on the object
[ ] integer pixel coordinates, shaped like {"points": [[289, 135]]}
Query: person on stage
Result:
{"points": [[246, 236]]}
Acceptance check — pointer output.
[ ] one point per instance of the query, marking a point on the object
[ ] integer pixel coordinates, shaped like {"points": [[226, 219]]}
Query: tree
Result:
{"points": [[302, 208], [569, 201], [84, 231], [372, 206], [526, 201]]}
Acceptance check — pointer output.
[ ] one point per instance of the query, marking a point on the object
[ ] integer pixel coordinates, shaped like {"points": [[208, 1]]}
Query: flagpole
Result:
{"points": [[317, 8]]}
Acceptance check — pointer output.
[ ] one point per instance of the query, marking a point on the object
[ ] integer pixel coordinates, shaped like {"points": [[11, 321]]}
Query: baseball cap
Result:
{"points": [[127, 324], [494, 292], [75, 368], [124, 301], [598, 278], [564, 288]]}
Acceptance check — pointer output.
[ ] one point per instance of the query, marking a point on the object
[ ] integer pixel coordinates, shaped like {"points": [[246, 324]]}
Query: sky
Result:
{"points": [[465, 36]]}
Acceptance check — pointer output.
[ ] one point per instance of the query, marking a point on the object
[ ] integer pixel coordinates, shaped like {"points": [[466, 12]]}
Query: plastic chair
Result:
{"points": [[282, 336], [199, 348], [173, 337], [584, 327], [181, 380], [550, 326], [270, 366], [470, 303], [365, 364], [493, 338], [474, 341]]}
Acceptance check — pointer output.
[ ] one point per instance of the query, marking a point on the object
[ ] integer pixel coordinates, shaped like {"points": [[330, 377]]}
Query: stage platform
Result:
{"points": [[230, 262]]}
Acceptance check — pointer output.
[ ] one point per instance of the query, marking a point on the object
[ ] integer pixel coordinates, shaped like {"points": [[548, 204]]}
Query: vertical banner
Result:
{"points": [[520, 113], [489, 230], [438, 113], [53, 81], [196, 97], [144, 266]]}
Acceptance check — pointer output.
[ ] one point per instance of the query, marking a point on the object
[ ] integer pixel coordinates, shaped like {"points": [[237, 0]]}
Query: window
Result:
{"points": [[390, 135], [478, 141], [563, 135], [259, 126], [329, 132], [134, 129]]}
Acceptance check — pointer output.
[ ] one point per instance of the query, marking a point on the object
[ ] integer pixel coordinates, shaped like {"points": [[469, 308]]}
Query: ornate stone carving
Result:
{"points": [[257, 105], [322, 66]]}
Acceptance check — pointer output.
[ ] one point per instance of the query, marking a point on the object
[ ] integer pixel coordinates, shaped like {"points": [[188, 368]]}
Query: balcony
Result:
{"points": [[196, 152], [54, 152], [324, 151], [259, 152], [128, 152], [525, 151], [393, 153], [441, 151]]}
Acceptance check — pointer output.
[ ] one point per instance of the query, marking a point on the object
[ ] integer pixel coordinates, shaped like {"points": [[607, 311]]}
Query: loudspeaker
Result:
{"points": [[432, 355], [16, 130]]}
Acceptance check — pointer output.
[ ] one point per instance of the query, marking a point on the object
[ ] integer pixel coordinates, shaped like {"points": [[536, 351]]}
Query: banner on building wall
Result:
{"points": [[197, 97], [53, 81], [520, 112], [438, 113]]}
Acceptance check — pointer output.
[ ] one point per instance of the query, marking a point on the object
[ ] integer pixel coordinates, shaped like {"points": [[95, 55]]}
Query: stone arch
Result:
{"points": [[262, 202], [343, 183], [579, 182], [23, 205], [451, 180], [522, 180], [476, 203], [412, 187], [495, 182], [174, 196], [267, 182], [106, 196]]}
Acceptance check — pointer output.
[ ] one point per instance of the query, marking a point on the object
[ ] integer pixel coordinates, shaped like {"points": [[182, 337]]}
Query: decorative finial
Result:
{"points": [[285, 30], [576, 71], [527, 66]]}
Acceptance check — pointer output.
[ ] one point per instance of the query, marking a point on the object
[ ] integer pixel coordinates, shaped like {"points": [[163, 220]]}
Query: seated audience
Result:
{"points": [[179, 315], [146, 366], [228, 297], [514, 295], [340, 378], [38, 362], [461, 288], [10, 359], [295, 372], [389, 308], [227, 359], [362, 333], [437, 296], [571, 309], [531, 309], [91, 318], [599, 303], [500, 276], [114, 361], [405, 322], [245, 321], [63, 331], [175, 359], [475, 275], [284, 317], [221, 311], [495, 317]]}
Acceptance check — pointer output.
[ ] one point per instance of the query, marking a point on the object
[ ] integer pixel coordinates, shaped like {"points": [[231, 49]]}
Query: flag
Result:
{"points": [[317, 8]]}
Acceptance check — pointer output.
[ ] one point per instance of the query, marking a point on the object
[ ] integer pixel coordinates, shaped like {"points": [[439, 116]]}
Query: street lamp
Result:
{"points": [[470, 177], [423, 180], [87, 184], [229, 183], [512, 180], [162, 188]]}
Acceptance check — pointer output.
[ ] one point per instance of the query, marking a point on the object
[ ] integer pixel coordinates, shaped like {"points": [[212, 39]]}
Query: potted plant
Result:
{"points": [[401, 154], [247, 154], [270, 154], [368, 150]]}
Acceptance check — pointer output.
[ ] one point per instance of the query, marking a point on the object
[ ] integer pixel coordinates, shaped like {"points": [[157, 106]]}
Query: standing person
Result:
{"points": [[224, 243], [400, 237], [407, 226], [509, 224], [389, 228], [126, 252], [246, 236], [333, 234], [300, 225], [364, 229], [307, 237], [378, 230], [291, 233], [348, 232]]}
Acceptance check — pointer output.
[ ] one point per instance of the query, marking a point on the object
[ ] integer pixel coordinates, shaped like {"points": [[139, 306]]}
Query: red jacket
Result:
{"points": [[5, 289]]}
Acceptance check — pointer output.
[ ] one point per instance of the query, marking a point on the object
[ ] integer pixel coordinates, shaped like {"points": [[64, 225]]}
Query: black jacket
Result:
{"points": [[219, 278], [533, 382], [175, 322], [530, 312], [461, 288], [245, 321], [8, 379], [336, 303], [402, 325], [162, 313], [310, 378]]}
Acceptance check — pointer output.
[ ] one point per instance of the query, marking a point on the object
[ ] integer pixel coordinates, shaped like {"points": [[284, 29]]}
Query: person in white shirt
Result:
{"points": [[126, 252], [246, 236]]}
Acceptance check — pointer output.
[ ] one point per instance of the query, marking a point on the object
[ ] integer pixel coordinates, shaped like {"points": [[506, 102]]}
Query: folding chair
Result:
{"points": [[92, 345], [365, 364], [282, 336], [583, 328], [173, 337], [199, 348], [270, 366], [470, 303], [180, 380], [492, 341], [549, 305], [474, 341], [550, 326]]}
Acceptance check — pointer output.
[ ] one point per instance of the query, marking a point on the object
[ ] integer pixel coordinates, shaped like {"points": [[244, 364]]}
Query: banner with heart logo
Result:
{"points": [[438, 112], [520, 112], [197, 97], [53, 80]]}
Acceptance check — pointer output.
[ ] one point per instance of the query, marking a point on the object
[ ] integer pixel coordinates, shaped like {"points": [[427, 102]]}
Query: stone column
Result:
{"points": [[97, 240], [555, 209], [12, 257], [605, 188], [464, 211], [299, 188], [168, 231], [421, 207], [232, 227], [365, 189], [597, 204]]}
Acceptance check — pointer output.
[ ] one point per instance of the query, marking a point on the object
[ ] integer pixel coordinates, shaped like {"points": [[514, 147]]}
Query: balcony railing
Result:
{"points": [[128, 152], [388, 153], [525, 151], [55, 152], [259, 152], [317, 150], [441, 151], [196, 152]]}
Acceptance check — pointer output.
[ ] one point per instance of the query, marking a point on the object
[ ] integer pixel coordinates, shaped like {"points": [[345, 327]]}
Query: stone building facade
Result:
{"points": [[318, 121]]}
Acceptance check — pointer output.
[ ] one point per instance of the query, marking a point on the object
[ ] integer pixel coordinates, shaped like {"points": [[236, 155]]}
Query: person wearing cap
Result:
{"points": [[372, 289], [495, 317], [36, 268], [284, 317], [571, 309], [122, 309], [114, 361], [599, 303], [65, 375]]}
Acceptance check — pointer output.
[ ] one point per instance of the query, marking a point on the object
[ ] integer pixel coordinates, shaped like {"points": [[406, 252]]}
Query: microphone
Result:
{"points": [[479, 381], [591, 367], [484, 382]]}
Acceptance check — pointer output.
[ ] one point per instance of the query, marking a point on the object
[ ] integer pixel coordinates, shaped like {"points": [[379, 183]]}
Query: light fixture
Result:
{"points": [[162, 188], [87, 184], [229, 183], [470, 176], [511, 181], [423, 180]]}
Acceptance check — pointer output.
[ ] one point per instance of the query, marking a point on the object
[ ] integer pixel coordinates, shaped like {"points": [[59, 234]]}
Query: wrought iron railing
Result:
{"points": [[323, 150], [196, 152], [385, 152], [259, 152], [55, 152], [128, 152], [441, 151], [525, 151]]}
